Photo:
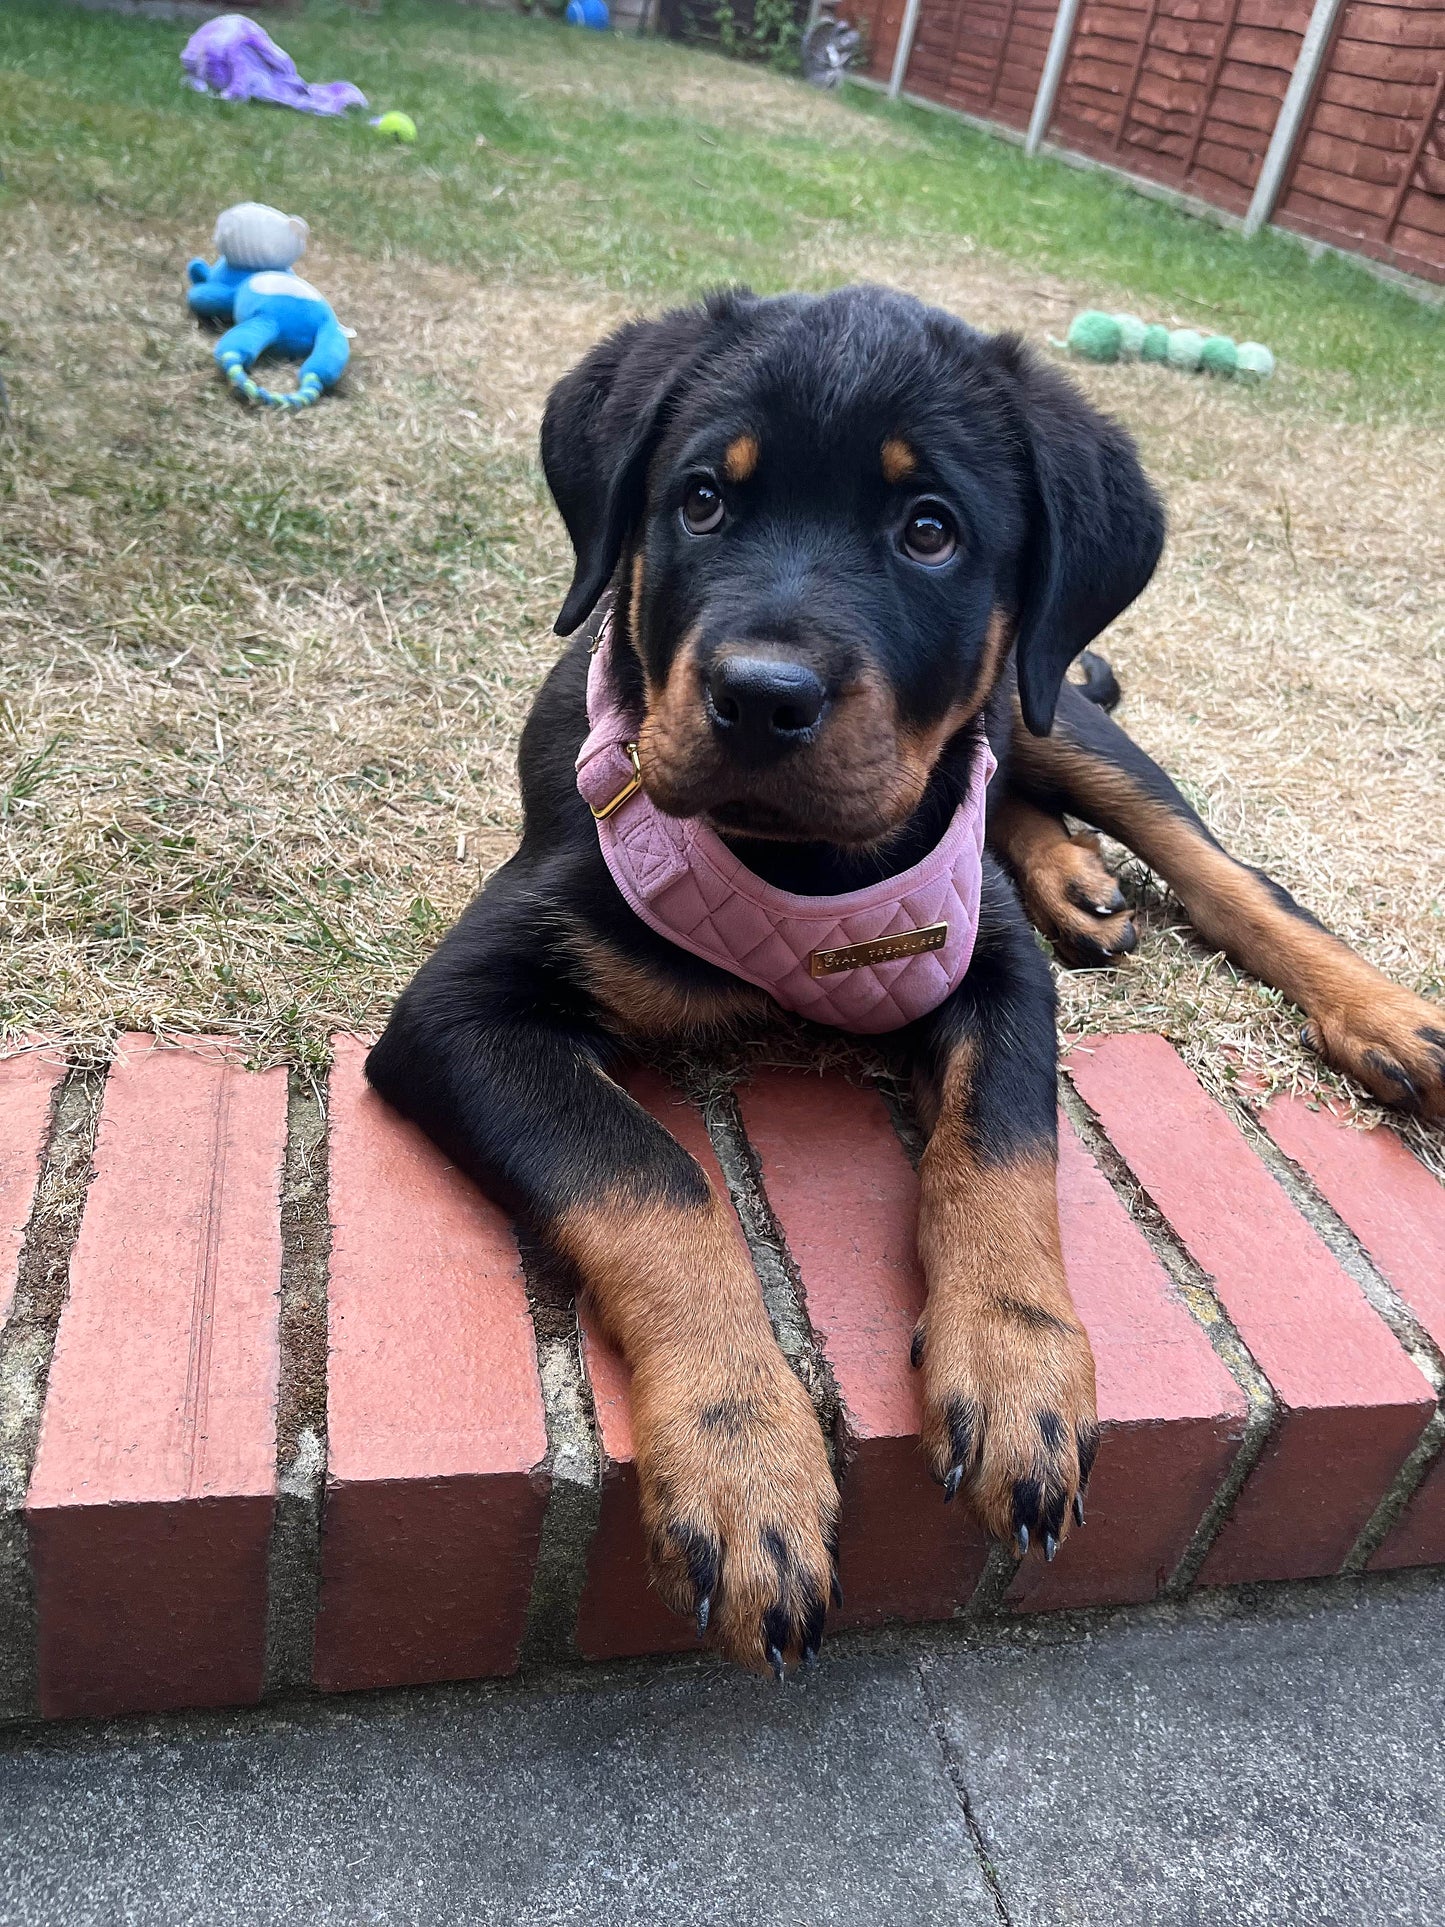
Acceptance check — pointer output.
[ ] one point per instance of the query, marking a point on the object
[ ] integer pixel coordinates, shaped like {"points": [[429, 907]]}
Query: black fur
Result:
{"points": [[1095, 533], [1100, 684]]}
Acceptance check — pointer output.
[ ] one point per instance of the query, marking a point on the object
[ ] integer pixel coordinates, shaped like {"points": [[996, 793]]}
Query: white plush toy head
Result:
{"points": [[252, 235]]}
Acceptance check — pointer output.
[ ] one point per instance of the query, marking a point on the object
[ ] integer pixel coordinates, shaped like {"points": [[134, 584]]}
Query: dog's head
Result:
{"points": [[831, 519]]}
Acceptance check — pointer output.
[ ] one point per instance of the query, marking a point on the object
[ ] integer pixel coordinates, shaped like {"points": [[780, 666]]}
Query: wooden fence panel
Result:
{"points": [[880, 21], [1184, 92], [1187, 93], [984, 57], [1369, 169]]}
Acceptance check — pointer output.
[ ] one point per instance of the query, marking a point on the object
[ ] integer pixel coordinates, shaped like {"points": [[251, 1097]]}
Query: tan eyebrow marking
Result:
{"points": [[899, 460], [741, 458]]}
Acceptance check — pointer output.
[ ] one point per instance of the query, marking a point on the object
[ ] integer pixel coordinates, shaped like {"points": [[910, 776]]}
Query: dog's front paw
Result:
{"points": [[1392, 1042], [740, 1508], [1073, 899], [1009, 1414]]}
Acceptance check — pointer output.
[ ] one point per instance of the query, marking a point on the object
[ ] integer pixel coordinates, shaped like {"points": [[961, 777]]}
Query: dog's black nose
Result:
{"points": [[761, 703]]}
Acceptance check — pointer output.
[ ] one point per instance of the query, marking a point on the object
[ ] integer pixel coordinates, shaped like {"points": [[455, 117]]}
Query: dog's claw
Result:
{"points": [[1051, 1546], [1078, 1508], [953, 1479], [702, 1571], [775, 1660], [1021, 1541], [811, 1637], [915, 1350]]}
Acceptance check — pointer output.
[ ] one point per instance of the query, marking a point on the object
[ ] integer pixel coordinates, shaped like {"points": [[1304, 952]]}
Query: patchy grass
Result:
{"points": [[641, 166], [261, 679]]}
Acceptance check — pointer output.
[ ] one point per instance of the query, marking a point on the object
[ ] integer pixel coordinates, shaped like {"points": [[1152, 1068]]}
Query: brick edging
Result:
{"points": [[203, 1509]]}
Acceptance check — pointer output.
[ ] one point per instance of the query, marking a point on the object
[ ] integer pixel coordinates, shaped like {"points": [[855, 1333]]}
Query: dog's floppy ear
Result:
{"points": [[601, 425], [1096, 528]]}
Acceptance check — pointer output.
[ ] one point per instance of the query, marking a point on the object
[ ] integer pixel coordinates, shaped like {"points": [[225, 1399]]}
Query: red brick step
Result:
{"points": [[152, 1494], [1397, 1211], [1171, 1415], [846, 1199], [27, 1089], [436, 1481], [1352, 1403]]}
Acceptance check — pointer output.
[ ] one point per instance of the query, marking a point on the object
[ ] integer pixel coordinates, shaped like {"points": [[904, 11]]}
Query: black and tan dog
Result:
{"points": [[834, 532]]}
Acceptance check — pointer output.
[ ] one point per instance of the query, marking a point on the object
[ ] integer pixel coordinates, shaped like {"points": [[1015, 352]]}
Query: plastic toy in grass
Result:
{"points": [[1096, 336], [395, 126], [588, 13], [272, 308]]}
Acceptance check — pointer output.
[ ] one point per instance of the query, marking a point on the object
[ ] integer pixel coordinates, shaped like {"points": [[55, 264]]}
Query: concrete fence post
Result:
{"points": [[904, 49], [1053, 73], [1291, 114]]}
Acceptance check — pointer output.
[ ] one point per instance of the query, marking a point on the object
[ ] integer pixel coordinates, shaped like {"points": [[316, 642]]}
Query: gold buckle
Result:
{"points": [[629, 788]]}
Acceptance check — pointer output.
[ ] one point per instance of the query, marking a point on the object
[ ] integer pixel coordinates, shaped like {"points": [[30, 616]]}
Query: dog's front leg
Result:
{"points": [[1008, 1373], [738, 1499]]}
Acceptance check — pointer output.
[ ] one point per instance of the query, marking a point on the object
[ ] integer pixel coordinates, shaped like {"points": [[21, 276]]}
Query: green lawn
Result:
{"points": [[604, 165]]}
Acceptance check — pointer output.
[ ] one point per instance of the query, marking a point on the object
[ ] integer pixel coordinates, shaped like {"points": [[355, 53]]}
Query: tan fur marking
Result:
{"points": [[641, 1004], [668, 1278], [674, 730], [634, 601], [1357, 1015], [899, 460], [726, 1440], [919, 750], [742, 458], [1001, 1336]]}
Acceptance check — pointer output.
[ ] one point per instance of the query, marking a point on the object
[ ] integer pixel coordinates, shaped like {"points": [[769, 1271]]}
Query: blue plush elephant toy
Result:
{"points": [[252, 285]]}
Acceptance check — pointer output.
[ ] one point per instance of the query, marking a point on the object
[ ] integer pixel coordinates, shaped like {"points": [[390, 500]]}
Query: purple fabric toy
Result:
{"points": [[233, 57]]}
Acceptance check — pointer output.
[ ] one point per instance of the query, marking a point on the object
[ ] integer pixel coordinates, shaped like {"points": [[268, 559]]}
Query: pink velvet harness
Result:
{"points": [[869, 960]]}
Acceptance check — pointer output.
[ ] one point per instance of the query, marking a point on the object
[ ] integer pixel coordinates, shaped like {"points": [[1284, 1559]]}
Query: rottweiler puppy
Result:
{"points": [[837, 543]]}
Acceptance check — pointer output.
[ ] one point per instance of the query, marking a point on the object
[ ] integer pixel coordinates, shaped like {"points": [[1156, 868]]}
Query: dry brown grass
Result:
{"points": [[741, 95], [262, 679]]}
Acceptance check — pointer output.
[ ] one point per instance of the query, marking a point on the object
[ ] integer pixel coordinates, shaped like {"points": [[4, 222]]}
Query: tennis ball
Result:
{"points": [[1155, 345], [1185, 347], [1131, 336], [1095, 336], [1219, 356], [1255, 361], [401, 127]]}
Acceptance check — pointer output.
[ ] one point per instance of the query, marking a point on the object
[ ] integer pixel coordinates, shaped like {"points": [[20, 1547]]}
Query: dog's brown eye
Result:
{"points": [[702, 509], [930, 535]]}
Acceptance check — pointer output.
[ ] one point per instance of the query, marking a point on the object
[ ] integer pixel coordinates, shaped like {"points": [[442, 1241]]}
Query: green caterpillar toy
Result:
{"points": [[1095, 336]]}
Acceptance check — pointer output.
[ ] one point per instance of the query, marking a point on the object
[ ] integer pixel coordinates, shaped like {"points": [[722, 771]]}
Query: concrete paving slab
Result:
{"points": [[1218, 1765], [700, 1798], [1286, 1771]]}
